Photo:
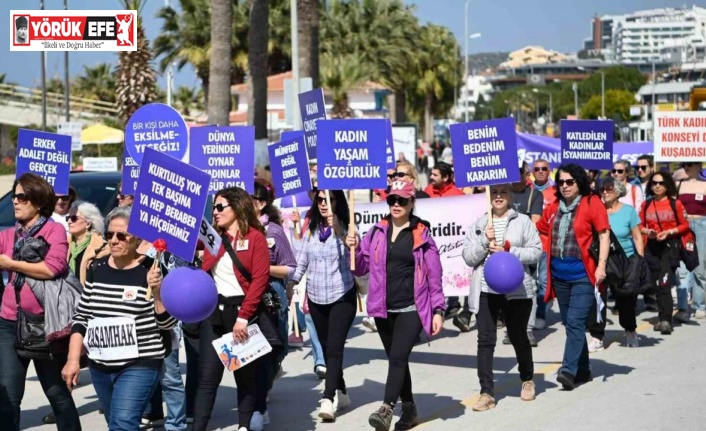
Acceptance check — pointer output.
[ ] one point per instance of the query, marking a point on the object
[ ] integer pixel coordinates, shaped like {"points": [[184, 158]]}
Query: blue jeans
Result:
{"points": [[541, 287], [124, 395], [695, 280], [13, 375], [575, 301], [170, 390], [316, 349], [301, 320]]}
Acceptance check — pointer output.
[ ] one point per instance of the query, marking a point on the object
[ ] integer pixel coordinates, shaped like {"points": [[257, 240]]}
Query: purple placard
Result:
{"points": [[157, 126], [131, 172], [352, 154], [47, 155], [290, 167], [226, 153], [169, 203], [312, 108], [485, 152], [290, 135], [588, 143], [390, 147]]}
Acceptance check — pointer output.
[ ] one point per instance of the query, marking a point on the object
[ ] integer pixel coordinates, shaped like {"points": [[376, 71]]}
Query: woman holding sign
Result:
{"points": [[122, 331], [330, 289], [405, 295]]}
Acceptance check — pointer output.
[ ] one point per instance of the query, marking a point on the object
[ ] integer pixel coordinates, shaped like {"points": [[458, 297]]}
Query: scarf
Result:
{"points": [[565, 223], [21, 235], [264, 220], [76, 249], [542, 188], [324, 233]]}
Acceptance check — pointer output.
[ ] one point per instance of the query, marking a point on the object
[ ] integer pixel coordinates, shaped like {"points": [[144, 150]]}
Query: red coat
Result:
{"points": [[449, 189], [255, 259], [590, 214]]}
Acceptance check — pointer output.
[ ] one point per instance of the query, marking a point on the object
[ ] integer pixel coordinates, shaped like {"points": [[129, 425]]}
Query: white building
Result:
{"points": [[471, 92]]}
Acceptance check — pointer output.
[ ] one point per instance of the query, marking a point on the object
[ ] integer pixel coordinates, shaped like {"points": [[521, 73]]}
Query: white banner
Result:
{"points": [[405, 142], [680, 136], [100, 164]]}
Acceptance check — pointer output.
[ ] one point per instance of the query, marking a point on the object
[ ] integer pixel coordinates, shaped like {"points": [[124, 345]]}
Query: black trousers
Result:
{"points": [[626, 315], [268, 367], [398, 333], [517, 313], [332, 323], [210, 375], [664, 278], [191, 346]]}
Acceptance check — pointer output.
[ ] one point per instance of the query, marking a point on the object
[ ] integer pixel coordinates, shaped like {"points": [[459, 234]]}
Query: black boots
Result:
{"points": [[409, 418]]}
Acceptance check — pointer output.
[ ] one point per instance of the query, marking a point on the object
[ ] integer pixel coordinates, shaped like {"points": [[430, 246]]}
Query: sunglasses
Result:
{"points": [[122, 196], [72, 218], [258, 198], [607, 189], [122, 236], [657, 183], [63, 198], [21, 197], [618, 171], [569, 183], [394, 199], [218, 208], [320, 200], [643, 168], [541, 168], [398, 175]]}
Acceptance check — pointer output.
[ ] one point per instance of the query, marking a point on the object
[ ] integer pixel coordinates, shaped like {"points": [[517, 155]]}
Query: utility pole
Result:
{"points": [[465, 60], [44, 81], [603, 94], [575, 87], [66, 76], [170, 72], [296, 121]]}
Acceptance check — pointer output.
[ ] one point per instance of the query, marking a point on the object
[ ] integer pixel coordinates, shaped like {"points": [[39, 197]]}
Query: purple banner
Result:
{"points": [[226, 153], [630, 151], [131, 172], [312, 108], [157, 126], [588, 143], [290, 167], [290, 135], [485, 152], [47, 155]]}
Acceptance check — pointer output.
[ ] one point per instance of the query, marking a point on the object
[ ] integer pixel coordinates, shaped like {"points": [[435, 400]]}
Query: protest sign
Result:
{"points": [[351, 154], [588, 143], [290, 167], [237, 355], [47, 155], [390, 148], [680, 136], [210, 238], [131, 172], [226, 153], [485, 152], [157, 126], [312, 108], [404, 137], [169, 202], [290, 135]]}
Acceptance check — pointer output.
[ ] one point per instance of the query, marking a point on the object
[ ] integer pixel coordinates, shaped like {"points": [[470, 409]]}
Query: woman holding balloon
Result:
{"points": [[573, 276], [500, 252]]}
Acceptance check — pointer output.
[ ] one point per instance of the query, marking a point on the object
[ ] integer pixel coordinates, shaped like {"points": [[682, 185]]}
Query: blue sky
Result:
{"points": [[505, 25]]}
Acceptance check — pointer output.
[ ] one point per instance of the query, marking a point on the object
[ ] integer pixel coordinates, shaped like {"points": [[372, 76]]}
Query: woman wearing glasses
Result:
{"points": [[124, 200], [692, 194], [122, 331], [33, 202], [663, 226], [62, 206], [241, 270], [405, 172], [621, 172], [573, 276], [405, 295], [86, 241], [330, 290]]}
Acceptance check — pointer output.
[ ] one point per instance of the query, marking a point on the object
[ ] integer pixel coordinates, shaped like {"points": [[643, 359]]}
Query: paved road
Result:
{"points": [[658, 386]]}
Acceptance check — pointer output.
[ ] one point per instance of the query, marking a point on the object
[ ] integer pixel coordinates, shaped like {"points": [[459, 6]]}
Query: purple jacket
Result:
{"points": [[371, 256]]}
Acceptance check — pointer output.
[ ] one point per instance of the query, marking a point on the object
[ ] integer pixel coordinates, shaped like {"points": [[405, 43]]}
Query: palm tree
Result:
{"points": [[340, 74], [308, 14], [187, 99], [220, 63], [257, 60], [136, 80], [97, 83]]}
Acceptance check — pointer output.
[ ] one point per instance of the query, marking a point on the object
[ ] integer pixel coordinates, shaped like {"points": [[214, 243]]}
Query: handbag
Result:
{"points": [[638, 279], [31, 341], [617, 259], [686, 243]]}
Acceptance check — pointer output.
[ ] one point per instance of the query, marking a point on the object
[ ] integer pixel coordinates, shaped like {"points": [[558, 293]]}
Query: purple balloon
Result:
{"points": [[503, 272], [189, 294]]}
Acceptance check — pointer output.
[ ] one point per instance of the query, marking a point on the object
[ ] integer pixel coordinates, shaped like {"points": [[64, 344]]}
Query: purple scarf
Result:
{"points": [[324, 233]]}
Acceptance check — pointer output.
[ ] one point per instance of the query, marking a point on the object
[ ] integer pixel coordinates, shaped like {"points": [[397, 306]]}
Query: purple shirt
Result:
{"points": [[55, 235], [277, 243]]}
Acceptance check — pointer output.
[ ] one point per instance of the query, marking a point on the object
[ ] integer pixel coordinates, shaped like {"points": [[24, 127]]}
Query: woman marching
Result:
{"points": [[86, 241], [405, 295], [514, 233]]}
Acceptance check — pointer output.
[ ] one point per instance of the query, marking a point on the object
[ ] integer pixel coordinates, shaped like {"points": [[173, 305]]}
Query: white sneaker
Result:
{"points": [[326, 410], [540, 324], [256, 422], [700, 314], [632, 339], [369, 323], [242, 429], [595, 345], [341, 400]]}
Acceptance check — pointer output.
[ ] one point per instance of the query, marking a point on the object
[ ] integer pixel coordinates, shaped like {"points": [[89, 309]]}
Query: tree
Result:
{"points": [[617, 105], [257, 61], [308, 14], [136, 81], [187, 99], [96, 83], [220, 62], [340, 74], [616, 78]]}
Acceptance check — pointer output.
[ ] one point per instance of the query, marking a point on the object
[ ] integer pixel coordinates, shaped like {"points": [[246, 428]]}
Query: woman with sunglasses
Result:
{"points": [[241, 271], [330, 290], [573, 276], [86, 226], [122, 331], [282, 266], [405, 295], [33, 201], [625, 224], [124, 200], [662, 227], [692, 194], [62, 207], [622, 169], [405, 172]]}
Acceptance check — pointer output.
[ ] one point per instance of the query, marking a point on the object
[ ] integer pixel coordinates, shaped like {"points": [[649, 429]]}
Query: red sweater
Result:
{"points": [[255, 259], [661, 213], [449, 189], [590, 214]]}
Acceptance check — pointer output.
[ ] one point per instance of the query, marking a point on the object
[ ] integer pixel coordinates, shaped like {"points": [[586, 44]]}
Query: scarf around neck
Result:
{"points": [[76, 249], [21, 235], [565, 222], [542, 188], [324, 233]]}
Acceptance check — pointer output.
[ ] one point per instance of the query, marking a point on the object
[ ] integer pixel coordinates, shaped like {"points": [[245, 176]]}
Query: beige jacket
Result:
{"points": [[92, 252]]}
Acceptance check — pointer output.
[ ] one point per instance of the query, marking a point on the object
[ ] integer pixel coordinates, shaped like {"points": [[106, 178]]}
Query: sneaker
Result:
{"points": [[485, 402], [506, 340], [256, 422], [700, 314], [381, 419], [595, 345], [295, 341], [341, 400], [320, 371], [528, 391], [533, 341], [566, 380], [151, 421], [408, 418], [242, 429], [631, 339], [658, 326], [682, 316], [540, 324], [665, 328], [326, 410], [463, 321], [369, 322], [49, 419], [266, 418]]}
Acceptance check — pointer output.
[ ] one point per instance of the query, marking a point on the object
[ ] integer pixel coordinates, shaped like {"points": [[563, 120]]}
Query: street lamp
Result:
{"points": [[465, 61], [602, 72], [551, 103]]}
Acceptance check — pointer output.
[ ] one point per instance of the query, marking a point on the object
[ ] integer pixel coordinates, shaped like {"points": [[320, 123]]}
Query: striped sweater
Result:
{"points": [[115, 293]]}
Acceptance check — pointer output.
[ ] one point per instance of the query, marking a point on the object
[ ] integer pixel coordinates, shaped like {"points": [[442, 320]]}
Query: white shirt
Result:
{"points": [[635, 197], [61, 219], [224, 276]]}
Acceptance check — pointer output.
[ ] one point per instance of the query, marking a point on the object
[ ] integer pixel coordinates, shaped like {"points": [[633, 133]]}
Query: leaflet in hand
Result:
{"points": [[237, 355]]}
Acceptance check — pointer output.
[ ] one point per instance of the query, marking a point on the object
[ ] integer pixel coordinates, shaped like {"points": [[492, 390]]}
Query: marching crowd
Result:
{"points": [[578, 237]]}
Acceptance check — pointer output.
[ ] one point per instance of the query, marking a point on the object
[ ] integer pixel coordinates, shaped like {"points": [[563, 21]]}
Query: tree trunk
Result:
{"points": [[6, 147], [428, 118], [220, 64], [400, 107], [257, 60], [308, 30]]}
